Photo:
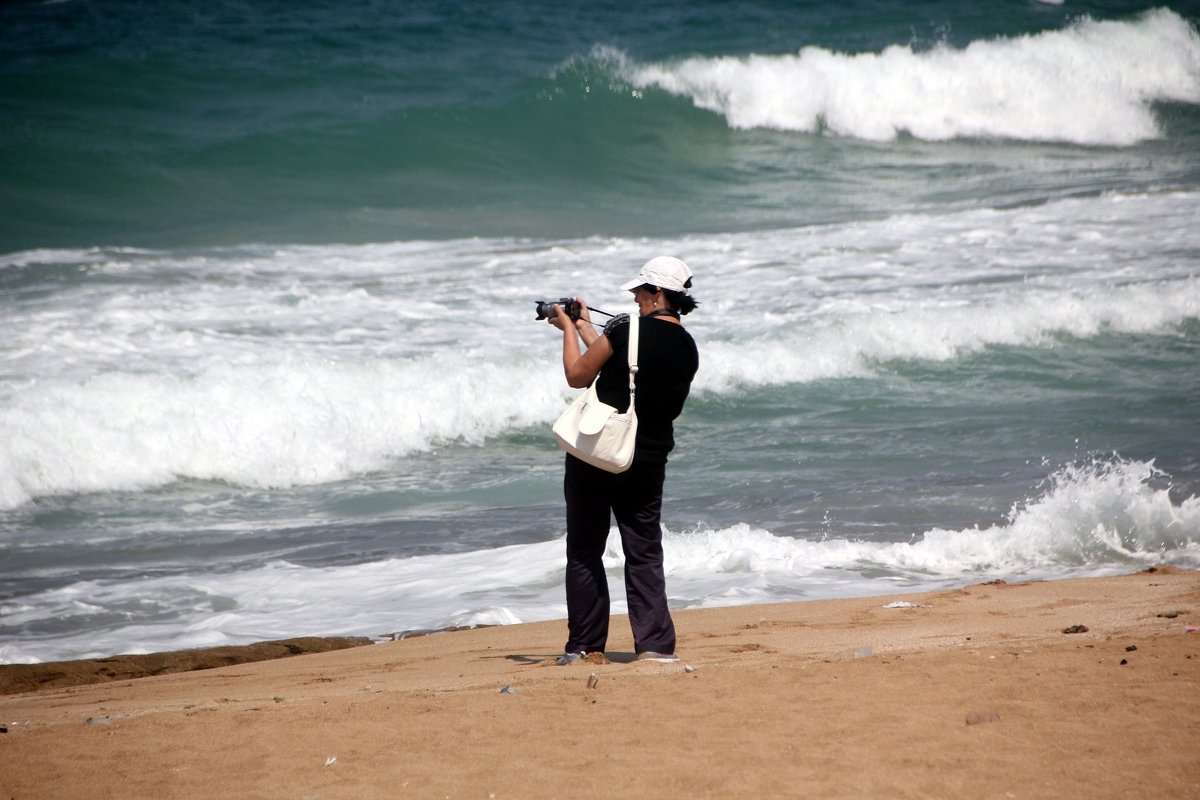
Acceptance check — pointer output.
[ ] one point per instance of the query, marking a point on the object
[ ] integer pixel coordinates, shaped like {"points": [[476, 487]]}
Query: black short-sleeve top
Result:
{"points": [[667, 362]]}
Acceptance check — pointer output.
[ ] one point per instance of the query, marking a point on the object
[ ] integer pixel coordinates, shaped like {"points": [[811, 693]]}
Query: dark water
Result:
{"points": [[153, 124]]}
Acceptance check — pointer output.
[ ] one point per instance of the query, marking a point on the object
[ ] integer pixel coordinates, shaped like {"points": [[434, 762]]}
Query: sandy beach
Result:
{"points": [[979, 692]]}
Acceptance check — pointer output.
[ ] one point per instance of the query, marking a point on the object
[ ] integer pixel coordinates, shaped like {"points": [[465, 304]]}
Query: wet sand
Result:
{"points": [[978, 692]]}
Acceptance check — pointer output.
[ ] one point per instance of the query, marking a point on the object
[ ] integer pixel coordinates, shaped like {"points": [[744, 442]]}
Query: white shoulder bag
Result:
{"points": [[593, 431]]}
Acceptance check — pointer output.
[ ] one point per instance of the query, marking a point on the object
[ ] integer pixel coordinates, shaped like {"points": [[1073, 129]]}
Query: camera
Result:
{"points": [[545, 308]]}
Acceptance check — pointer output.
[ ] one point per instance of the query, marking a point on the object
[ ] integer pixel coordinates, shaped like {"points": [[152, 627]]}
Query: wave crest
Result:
{"points": [[1101, 515], [1093, 83]]}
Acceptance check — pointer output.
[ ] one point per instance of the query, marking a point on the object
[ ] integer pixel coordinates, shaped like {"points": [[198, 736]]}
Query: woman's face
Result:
{"points": [[647, 300]]}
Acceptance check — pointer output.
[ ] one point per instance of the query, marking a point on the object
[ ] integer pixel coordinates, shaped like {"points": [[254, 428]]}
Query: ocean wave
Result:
{"points": [[281, 421], [266, 426], [861, 341], [1093, 83], [278, 367], [1099, 517], [1103, 514]]}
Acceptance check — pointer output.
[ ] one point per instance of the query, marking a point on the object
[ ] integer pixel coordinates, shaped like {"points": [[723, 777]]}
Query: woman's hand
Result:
{"points": [[561, 320], [587, 331], [585, 316]]}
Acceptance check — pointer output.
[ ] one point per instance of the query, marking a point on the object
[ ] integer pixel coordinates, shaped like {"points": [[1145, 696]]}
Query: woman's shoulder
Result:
{"points": [[616, 322]]}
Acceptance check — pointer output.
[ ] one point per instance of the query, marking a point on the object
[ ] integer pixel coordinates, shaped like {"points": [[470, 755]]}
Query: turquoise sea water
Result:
{"points": [[268, 363]]}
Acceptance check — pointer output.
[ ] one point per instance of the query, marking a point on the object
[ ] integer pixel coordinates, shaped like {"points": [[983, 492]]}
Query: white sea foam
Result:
{"points": [[1095, 518], [1093, 83], [273, 426], [853, 343], [1102, 516], [282, 367]]}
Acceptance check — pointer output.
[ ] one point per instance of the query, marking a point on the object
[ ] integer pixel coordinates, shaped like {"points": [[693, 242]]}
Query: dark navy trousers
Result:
{"points": [[634, 497]]}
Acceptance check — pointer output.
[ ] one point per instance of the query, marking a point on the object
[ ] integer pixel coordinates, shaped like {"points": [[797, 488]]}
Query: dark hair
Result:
{"points": [[683, 303]]}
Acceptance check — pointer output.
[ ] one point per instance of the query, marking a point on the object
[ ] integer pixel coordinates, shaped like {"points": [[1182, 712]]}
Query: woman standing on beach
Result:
{"points": [[667, 362]]}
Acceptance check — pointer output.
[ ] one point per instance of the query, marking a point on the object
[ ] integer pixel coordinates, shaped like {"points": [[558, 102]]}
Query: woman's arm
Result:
{"points": [[581, 369]]}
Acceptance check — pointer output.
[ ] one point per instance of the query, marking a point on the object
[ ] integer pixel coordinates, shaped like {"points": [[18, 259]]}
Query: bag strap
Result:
{"points": [[633, 356]]}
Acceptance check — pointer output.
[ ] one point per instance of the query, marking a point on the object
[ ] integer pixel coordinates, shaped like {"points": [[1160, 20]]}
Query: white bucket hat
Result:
{"points": [[665, 272]]}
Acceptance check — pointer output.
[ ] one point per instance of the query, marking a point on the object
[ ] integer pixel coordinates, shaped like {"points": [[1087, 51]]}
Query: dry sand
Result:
{"points": [[972, 693]]}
